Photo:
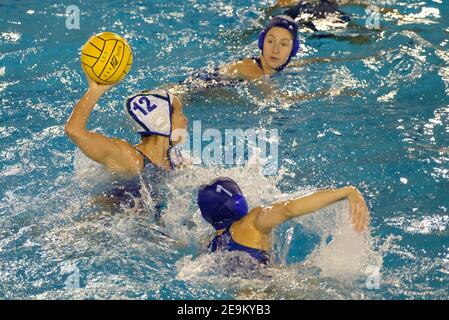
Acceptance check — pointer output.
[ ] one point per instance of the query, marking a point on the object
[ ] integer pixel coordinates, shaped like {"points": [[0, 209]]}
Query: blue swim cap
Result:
{"points": [[288, 24], [221, 202]]}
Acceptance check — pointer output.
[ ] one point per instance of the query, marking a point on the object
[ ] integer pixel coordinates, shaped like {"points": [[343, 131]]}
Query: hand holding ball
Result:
{"points": [[106, 58]]}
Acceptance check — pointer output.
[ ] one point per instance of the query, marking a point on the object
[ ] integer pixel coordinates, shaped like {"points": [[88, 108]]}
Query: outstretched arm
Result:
{"points": [[287, 98], [115, 154], [272, 216], [306, 61]]}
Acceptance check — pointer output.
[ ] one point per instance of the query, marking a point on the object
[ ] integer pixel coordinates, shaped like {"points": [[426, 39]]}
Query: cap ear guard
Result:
{"points": [[235, 208], [295, 48], [238, 205], [261, 39]]}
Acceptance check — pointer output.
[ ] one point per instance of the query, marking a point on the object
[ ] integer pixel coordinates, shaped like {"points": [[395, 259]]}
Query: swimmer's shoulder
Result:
{"points": [[246, 68], [250, 219], [130, 163], [246, 233]]}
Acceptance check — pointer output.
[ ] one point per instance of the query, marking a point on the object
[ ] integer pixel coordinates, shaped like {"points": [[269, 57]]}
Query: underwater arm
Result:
{"points": [[115, 154], [272, 216], [294, 97], [306, 61]]}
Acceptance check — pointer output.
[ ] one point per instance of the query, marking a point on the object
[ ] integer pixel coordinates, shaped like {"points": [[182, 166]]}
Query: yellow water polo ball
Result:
{"points": [[106, 57]]}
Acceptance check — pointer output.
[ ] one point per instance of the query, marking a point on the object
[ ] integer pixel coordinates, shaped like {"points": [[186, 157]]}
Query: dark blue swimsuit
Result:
{"points": [[125, 192], [224, 242]]}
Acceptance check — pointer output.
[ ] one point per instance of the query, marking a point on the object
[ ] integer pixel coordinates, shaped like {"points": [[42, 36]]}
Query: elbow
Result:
{"points": [[72, 132], [69, 131], [350, 190]]}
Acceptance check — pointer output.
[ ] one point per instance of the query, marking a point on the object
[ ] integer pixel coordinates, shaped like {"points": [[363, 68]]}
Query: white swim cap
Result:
{"points": [[150, 112]]}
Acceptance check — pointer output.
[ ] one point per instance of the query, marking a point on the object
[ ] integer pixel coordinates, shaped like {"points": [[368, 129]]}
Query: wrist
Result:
{"points": [[94, 92]]}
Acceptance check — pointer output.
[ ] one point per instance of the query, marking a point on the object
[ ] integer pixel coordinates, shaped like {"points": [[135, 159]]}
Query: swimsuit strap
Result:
{"points": [[146, 160], [259, 63], [172, 164]]}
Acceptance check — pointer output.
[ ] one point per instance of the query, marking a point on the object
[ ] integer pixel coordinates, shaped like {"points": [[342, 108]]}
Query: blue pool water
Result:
{"points": [[390, 138]]}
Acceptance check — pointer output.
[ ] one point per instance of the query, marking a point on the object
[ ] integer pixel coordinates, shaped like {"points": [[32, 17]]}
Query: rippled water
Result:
{"points": [[389, 137]]}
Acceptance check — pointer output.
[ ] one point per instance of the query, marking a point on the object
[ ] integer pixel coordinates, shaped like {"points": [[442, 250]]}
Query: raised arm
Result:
{"points": [[116, 155], [270, 217]]}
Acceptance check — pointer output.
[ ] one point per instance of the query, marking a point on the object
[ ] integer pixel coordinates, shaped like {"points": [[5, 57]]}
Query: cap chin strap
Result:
{"points": [[171, 163], [238, 206]]}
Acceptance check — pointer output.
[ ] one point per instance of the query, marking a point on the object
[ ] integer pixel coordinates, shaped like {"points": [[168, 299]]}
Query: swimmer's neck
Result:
{"points": [[267, 70], [156, 148]]}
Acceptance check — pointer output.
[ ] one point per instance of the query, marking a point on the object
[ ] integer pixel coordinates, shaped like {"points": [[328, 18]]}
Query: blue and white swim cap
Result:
{"points": [[288, 24], [151, 112], [222, 203]]}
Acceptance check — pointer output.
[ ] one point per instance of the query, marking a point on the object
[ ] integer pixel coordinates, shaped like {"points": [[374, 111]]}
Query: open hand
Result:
{"points": [[359, 210]]}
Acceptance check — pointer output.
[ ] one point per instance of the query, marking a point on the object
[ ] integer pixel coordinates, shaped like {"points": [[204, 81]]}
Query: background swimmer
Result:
{"points": [[278, 44], [307, 11], [223, 205], [319, 18]]}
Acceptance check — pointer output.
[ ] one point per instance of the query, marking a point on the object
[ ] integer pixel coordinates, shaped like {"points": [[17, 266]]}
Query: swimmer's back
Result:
{"points": [[317, 10]]}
